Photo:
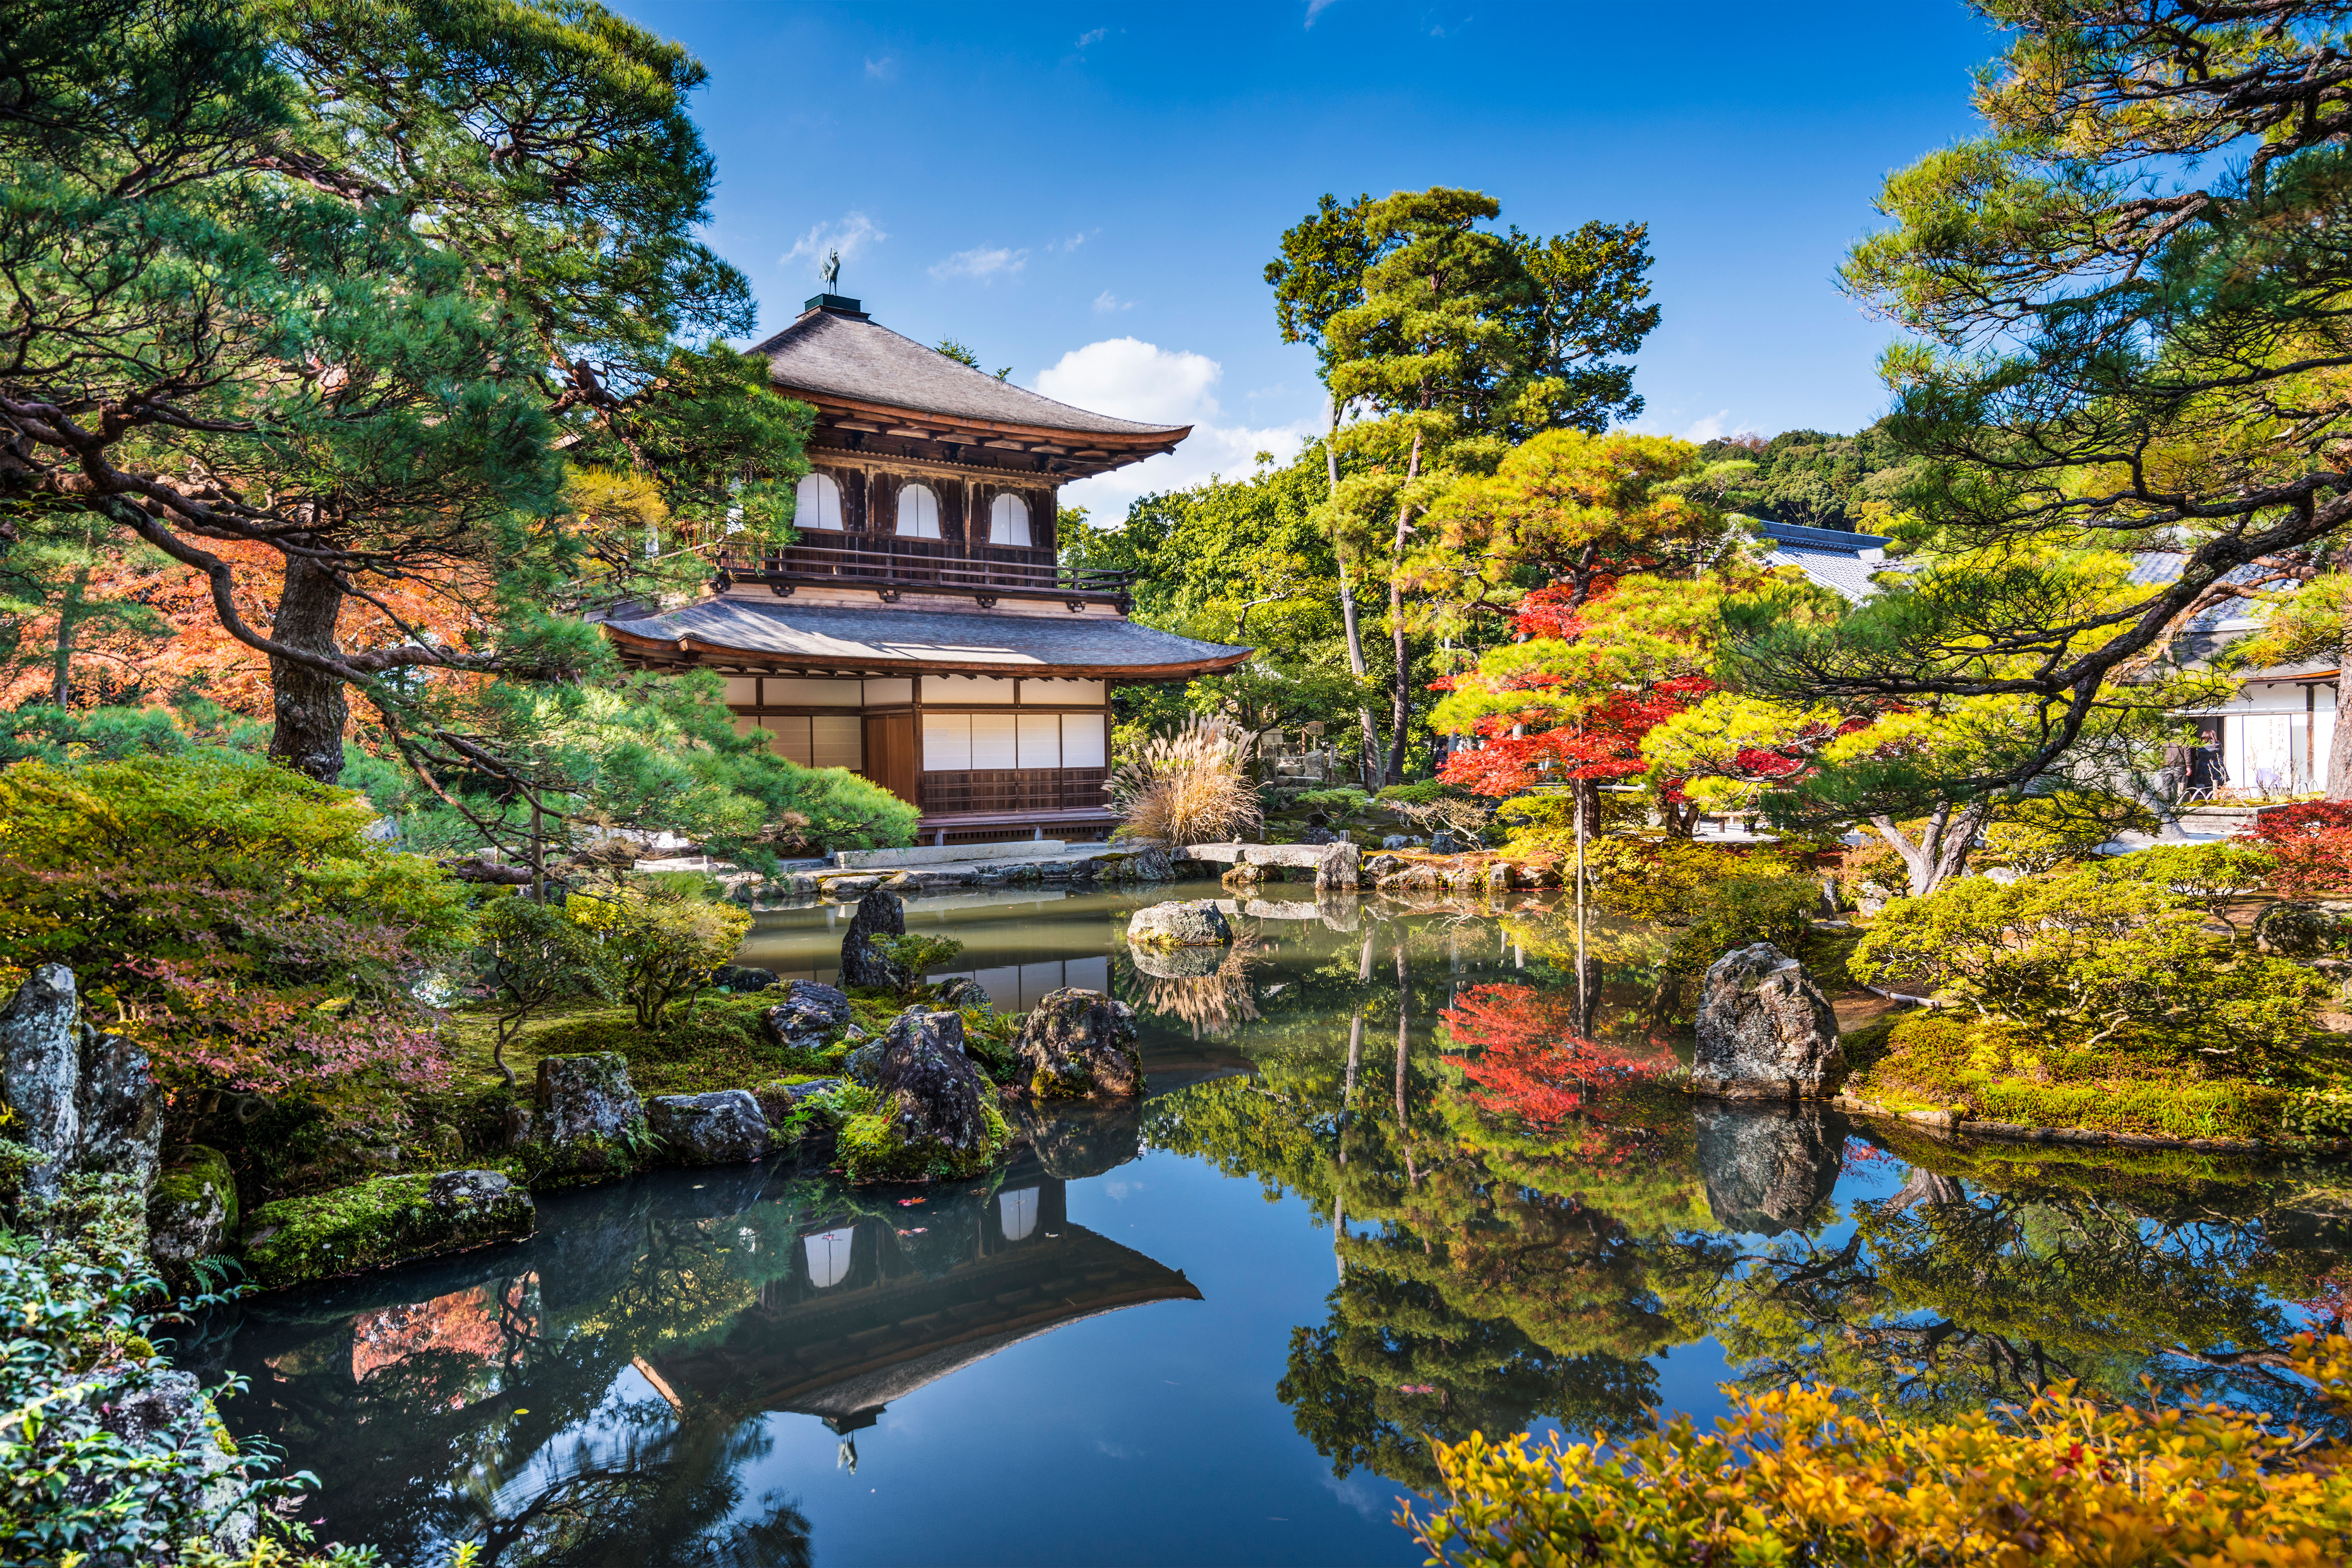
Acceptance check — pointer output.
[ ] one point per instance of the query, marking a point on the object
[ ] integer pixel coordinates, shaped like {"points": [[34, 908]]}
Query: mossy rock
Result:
{"points": [[193, 1210], [391, 1219]]}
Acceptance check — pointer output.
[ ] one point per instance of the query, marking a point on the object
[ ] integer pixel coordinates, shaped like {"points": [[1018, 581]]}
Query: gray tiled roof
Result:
{"points": [[828, 351], [883, 637]]}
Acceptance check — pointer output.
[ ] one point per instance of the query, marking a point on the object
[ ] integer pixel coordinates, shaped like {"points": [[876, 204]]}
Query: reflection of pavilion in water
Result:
{"points": [[875, 1311]]}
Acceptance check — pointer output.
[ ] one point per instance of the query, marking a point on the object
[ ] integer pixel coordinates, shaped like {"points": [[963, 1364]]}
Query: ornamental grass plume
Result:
{"points": [[1190, 787], [1794, 1476]]}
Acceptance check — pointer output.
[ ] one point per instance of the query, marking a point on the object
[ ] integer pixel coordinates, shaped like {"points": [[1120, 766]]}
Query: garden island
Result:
{"points": [[614, 947]]}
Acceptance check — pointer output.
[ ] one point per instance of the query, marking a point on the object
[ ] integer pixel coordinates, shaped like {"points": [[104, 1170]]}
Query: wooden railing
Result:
{"points": [[987, 790], [890, 561]]}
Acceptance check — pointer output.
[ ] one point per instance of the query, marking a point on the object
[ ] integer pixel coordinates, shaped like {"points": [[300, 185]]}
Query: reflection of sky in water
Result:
{"points": [[1013, 1371]]}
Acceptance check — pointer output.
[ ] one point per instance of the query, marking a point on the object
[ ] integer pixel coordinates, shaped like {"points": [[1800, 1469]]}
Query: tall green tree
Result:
{"points": [[309, 297], [1457, 341], [2126, 298]]}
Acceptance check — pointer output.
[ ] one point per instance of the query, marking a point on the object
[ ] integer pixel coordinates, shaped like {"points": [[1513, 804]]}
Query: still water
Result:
{"points": [[1215, 1328]]}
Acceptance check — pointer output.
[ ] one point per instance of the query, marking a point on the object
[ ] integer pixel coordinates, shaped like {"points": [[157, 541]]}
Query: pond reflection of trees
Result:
{"points": [[1499, 1269]]}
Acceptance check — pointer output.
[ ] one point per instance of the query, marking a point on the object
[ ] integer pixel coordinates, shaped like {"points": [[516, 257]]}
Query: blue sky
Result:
{"points": [[1089, 192]]}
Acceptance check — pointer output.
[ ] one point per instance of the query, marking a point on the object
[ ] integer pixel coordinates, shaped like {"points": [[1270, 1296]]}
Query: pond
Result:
{"points": [[1213, 1328]]}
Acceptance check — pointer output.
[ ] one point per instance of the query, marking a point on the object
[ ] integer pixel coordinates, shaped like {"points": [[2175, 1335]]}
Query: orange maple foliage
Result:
{"points": [[198, 658]]}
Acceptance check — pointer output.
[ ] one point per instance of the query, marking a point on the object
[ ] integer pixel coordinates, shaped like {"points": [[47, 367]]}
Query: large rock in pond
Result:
{"points": [[40, 1069], [1768, 1168], [391, 1219], [724, 1128], [1079, 1044], [808, 1013], [192, 1211], [934, 1112], [1765, 1030], [879, 913], [1187, 922]]}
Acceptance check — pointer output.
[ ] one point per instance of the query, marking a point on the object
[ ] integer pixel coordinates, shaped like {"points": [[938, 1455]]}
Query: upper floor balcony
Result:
{"points": [[892, 564]]}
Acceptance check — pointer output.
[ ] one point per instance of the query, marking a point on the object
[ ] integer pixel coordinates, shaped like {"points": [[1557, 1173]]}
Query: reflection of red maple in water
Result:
{"points": [[1531, 1063], [463, 1323]]}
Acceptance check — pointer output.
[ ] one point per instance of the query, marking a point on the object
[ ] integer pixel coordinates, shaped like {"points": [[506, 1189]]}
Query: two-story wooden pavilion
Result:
{"points": [[922, 632]]}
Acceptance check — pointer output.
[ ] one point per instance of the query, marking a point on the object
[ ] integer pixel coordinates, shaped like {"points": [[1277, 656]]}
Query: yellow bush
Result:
{"points": [[1794, 1477]]}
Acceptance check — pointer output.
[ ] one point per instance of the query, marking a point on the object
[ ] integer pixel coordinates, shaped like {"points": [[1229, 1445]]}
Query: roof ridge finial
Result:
{"points": [[832, 270]]}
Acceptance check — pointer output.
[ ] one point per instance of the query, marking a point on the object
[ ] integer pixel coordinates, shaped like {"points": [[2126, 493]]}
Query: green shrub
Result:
{"points": [[1428, 792], [534, 954], [2209, 877], [911, 956], [230, 914], [2086, 956], [871, 1147], [2043, 832], [1335, 802], [663, 940]]}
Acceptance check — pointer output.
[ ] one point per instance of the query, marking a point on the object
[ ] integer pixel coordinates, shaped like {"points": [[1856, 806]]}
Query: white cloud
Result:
{"points": [[1317, 7], [1107, 302], [886, 69], [852, 237], [1093, 36], [981, 264], [1713, 428], [1076, 240], [1130, 379]]}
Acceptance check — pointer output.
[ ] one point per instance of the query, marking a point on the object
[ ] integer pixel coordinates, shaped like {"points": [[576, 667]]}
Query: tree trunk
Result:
{"points": [[1400, 687], [70, 619], [308, 706], [1404, 1023], [1942, 850], [1367, 761], [2339, 742]]}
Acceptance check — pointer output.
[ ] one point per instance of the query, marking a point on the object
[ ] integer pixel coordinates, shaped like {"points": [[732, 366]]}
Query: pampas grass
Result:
{"points": [[1190, 787]]}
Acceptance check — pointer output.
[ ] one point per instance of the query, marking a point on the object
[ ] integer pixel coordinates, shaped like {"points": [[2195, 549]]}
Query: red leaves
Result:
{"points": [[1607, 745], [2312, 843], [1531, 1063]]}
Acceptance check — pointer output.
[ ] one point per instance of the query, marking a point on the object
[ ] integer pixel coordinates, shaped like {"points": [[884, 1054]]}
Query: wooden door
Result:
{"points": [[891, 753]]}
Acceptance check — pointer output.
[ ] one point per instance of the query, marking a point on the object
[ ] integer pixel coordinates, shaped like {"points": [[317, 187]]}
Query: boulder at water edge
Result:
{"points": [[1768, 1168], [934, 1112], [808, 1013], [725, 1128], [391, 1219], [192, 1211], [879, 913], [1080, 1045], [586, 1106], [744, 978], [1765, 1030], [1192, 922], [963, 992]]}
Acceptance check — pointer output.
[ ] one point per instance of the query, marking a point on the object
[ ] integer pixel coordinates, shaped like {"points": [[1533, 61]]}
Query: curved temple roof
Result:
{"points": [[831, 353], [784, 635]]}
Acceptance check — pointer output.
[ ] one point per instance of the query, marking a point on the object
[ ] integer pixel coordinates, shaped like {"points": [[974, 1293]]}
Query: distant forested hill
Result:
{"points": [[1812, 478]]}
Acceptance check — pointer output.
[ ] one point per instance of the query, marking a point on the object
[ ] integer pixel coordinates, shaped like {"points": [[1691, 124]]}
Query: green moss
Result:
{"points": [[387, 1220], [199, 1177], [2002, 1073], [871, 1150]]}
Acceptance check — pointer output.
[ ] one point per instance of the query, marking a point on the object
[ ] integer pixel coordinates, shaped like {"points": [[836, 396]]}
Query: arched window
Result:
{"points": [[1008, 522], [819, 504], [919, 512]]}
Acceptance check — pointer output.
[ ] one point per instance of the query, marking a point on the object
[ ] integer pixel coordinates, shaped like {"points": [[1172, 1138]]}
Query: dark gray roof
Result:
{"points": [[882, 637], [1821, 538], [828, 351]]}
